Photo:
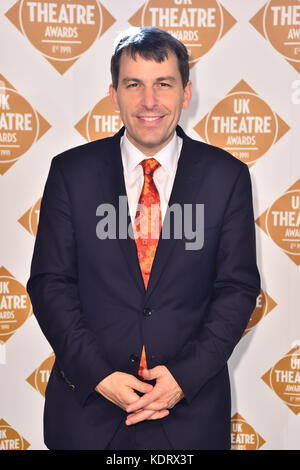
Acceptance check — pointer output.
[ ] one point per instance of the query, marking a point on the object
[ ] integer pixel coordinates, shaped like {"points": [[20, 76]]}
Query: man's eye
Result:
{"points": [[132, 85], [163, 84]]}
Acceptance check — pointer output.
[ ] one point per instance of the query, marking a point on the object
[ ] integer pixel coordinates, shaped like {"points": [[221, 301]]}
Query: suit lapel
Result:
{"points": [[113, 185], [185, 188]]}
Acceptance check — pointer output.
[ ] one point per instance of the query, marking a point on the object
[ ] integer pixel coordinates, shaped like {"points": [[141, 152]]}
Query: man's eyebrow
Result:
{"points": [[130, 79], [168, 78]]}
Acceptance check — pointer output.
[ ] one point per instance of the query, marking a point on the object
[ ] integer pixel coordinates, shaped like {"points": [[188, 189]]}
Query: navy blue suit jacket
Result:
{"points": [[90, 302]]}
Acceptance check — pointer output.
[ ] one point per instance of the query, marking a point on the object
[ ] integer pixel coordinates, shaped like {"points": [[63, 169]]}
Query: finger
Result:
{"points": [[159, 414], [145, 415], [144, 401], [139, 416], [157, 405], [154, 406], [151, 374], [140, 386], [123, 397]]}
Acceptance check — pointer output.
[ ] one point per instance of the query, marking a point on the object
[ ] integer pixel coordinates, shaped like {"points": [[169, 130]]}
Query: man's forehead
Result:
{"points": [[137, 60]]}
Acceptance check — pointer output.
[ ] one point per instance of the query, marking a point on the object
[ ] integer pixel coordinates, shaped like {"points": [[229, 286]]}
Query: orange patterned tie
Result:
{"points": [[147, 227]]}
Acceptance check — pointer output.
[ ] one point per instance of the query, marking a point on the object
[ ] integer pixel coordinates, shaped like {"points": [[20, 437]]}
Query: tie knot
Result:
{"points": [[149, 166]]}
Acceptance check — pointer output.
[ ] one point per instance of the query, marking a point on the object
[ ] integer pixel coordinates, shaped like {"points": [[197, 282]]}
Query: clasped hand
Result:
{"points": [[156, 400]]}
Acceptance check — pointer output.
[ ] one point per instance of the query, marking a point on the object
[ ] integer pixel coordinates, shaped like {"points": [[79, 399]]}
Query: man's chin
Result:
{"points": [[151, 144]]}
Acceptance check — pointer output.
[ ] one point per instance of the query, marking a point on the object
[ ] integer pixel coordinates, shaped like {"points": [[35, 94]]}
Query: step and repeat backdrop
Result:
{"points": [[245, 69]]}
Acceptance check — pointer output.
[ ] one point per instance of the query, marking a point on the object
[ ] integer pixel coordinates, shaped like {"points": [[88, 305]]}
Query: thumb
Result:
{"points": [[141, 386], [150, 374]]}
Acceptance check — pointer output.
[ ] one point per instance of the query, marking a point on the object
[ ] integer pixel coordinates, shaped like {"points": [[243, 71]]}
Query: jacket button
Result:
{"points": [[133, 358], [147, 311]]}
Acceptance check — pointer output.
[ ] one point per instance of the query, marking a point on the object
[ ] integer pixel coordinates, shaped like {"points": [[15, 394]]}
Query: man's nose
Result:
{"points": [[149, 98]]}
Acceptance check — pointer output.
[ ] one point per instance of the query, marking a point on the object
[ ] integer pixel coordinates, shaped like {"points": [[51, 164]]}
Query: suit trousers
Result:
{"points": [[146, 435]]}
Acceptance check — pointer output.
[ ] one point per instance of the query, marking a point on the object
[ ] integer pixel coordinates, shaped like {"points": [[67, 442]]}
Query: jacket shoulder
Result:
{"points": [[217, 156], [220, 165], [83, 155]]}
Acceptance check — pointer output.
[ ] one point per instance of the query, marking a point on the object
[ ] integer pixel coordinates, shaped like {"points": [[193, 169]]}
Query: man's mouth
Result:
{"points": [[150, 118]]}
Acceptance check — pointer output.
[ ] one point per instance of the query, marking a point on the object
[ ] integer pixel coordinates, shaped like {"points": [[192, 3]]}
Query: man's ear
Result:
{"points": [[187, 95], [113, 97]]}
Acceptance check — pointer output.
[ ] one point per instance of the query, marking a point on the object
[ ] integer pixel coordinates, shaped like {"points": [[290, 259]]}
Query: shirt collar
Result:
{"points": [[167, 156]]}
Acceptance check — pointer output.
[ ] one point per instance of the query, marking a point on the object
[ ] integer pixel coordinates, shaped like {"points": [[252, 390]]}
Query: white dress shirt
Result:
{"points": [[163, 176]]}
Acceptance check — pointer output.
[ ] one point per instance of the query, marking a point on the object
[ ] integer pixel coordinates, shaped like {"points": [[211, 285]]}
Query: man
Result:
{"points": [[142, 327]]}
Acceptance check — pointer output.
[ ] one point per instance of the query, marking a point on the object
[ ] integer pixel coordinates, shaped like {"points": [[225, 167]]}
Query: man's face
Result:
{"points": [[150, 97]]}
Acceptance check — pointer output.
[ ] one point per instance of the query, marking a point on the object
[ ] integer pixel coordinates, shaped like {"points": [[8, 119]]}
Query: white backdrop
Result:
{"points": [[245, 64]]}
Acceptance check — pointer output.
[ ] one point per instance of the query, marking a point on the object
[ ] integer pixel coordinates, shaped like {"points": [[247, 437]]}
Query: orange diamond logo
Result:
{"points": [[10, 439], [281, 222], [100, 122], [243, 435], [20, 125], [15, 305], [61, 31], [278, 22], [243, 124], [199, 24], [30, 219], [264, 305], [40, 376], [284, 379]]}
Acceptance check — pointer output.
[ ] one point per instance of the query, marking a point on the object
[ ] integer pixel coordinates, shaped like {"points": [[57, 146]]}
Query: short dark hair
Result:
{"points": [[151, 44]]}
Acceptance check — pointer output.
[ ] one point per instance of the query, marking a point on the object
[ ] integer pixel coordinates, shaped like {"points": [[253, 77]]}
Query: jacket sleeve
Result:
{"points": [[236, 286], [53, 291]]}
